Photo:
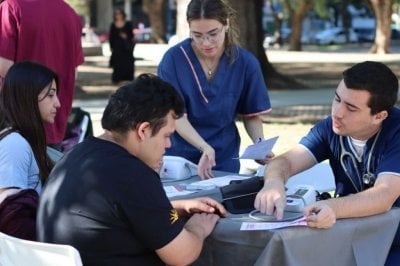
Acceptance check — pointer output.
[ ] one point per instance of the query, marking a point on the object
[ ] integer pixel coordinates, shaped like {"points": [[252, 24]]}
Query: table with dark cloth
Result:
{"points": [[357, 241]]}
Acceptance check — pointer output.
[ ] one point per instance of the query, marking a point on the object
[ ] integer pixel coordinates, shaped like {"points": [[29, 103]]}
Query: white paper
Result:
{"points": [[173, 191], [253, 226], [259, 151], [214, 182]]}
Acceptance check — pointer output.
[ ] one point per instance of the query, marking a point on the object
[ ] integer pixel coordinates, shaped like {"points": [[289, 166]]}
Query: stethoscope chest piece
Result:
{"points": [[368, 179]]}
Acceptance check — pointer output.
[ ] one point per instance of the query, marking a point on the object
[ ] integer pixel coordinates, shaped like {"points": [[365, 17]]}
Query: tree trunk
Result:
{"points": [[383, 12], [182, 27], [346, 18], [297, 11], [249, 19], [277, 14], [155, 9]]}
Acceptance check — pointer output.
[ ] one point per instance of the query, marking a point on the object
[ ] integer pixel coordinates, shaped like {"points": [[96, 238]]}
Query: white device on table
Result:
{"points": [[299, 196], [176, 168]]}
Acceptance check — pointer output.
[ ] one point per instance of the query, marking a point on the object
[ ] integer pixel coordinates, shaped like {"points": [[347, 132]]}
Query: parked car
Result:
{"points": [[335, 35], [365, 34], [395, 34]]}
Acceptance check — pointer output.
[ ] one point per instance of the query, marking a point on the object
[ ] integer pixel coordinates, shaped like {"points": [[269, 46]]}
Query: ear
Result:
{"points": [[143, 130], [379, 117]]}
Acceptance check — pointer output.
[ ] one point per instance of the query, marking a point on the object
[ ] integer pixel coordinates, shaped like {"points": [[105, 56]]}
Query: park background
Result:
{"points": [[300, 74]]}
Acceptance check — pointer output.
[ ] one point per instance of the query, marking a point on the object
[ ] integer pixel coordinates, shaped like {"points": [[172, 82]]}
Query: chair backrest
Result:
{"points": [[16, 252]]}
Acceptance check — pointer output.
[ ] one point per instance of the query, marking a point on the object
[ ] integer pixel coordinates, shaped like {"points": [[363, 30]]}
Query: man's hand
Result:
{"points": [[320, 215], [206, 163], [271, 199], [200, 205]]}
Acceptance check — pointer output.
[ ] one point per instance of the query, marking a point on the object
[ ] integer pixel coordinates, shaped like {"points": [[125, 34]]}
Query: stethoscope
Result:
{"points": [[368, 178]]}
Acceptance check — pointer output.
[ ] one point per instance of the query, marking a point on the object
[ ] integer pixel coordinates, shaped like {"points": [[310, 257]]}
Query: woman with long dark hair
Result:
{"points": [[27, 100]]}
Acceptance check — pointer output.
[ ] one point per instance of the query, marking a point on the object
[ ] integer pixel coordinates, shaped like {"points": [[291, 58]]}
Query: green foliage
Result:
{"points": [[80, 6], [321, 8]]}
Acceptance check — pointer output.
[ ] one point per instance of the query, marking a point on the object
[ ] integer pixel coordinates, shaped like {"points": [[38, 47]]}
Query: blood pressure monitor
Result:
{"points": [[299, 197]]}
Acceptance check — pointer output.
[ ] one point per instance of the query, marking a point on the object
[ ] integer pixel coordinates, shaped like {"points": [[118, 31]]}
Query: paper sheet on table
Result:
{"points": [[259, 151], [214, 182], [173, 191], [249, 226]]}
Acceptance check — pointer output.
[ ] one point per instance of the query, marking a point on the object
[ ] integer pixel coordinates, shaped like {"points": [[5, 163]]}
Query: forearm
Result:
{"points": [[195, 236], [5, 65], [290, 163], [177, 204], [278, 170], [189, 133], [183, 250], [76, 73], [180, 206], [375, 200], [254, 128], [186, 247]]}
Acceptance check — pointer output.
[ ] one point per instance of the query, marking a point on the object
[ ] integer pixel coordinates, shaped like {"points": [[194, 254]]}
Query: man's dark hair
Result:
{"points": [[146, 99], [378, 80]]}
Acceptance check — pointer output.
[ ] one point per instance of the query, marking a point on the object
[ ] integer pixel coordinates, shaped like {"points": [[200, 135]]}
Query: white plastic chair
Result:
{"points": [[19, 252]]}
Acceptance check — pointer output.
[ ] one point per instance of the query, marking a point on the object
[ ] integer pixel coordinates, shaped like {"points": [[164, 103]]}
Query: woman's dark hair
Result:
{"points": [[19, 107], [378, 80], [122, 11], [218, 10], [147, 99]]}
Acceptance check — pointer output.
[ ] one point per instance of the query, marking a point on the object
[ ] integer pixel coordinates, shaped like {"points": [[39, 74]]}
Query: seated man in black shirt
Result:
{"points": [[105, 196]]}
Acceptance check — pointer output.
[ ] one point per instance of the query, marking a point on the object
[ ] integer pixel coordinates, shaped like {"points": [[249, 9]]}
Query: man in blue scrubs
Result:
{"points": [[361, 141]]}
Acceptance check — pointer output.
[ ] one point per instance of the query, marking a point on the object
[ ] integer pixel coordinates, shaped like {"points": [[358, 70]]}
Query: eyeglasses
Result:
{"points": [[212, 37]]}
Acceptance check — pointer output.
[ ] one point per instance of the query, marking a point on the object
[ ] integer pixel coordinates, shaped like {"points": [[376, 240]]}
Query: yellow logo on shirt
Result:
{"points": [[174, 216]]}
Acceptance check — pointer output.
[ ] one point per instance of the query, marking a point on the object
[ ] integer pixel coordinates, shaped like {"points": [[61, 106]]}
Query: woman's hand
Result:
{"points": [[268, 158], [206, 163]]}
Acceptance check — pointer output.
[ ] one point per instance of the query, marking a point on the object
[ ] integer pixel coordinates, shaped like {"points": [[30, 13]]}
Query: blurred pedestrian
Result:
{"points": [[122, 44], [48, 32]]}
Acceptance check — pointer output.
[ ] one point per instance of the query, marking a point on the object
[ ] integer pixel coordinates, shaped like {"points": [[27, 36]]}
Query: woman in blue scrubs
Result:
{"points": [[217, 80]]}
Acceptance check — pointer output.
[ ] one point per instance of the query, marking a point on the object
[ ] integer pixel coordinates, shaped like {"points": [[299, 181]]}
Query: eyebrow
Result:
{"points": [[210, 31], [347, 103]]}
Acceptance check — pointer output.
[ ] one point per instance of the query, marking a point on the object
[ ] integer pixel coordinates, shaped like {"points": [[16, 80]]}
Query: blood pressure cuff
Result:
{"points": [[238, 197]]}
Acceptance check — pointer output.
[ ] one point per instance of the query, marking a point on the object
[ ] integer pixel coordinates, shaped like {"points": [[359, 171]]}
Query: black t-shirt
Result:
{"points": [[109, 205]]}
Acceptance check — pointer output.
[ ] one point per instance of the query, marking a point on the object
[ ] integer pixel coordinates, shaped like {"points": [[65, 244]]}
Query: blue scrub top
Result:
{"points": [[212, 107], [324, 144]]}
